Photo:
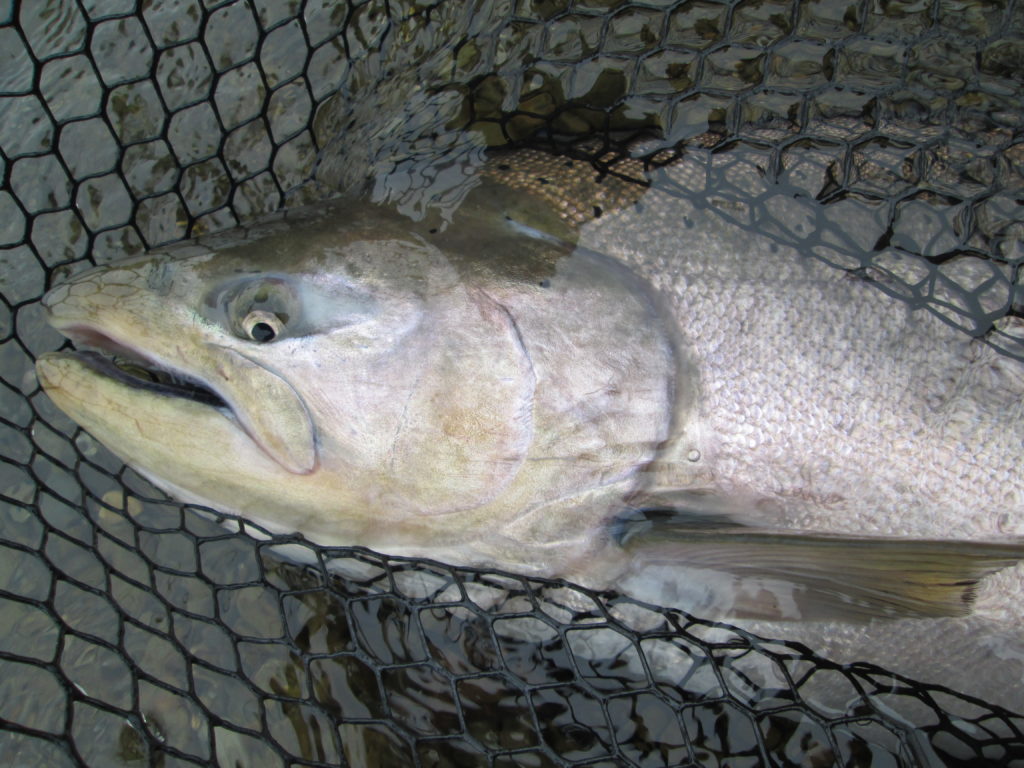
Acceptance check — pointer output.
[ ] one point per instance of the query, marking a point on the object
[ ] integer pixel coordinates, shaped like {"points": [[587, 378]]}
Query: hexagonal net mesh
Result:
{"points": [[139, 631]]}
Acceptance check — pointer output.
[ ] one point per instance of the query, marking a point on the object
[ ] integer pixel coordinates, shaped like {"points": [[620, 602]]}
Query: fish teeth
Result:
{"points": [[133, 368], [152, 374]]}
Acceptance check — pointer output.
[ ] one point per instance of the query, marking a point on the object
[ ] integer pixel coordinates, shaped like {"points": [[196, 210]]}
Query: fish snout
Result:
{"points": [[102, 290]]}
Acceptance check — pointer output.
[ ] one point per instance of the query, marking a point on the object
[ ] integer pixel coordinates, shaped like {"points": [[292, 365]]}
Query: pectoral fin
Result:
{"points": [[820, 576], [267, 408]]}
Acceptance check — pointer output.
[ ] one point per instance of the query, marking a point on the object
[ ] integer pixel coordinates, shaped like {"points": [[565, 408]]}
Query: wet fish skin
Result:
{"points": [[417, 397], [497, 394]]}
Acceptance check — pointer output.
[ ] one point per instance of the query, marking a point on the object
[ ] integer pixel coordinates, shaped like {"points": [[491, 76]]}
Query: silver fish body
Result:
{"points": [[498, 393], [412, 397]]}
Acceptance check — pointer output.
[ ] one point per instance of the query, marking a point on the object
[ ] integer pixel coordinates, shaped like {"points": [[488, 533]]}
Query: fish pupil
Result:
{"points": [[263, 332]]}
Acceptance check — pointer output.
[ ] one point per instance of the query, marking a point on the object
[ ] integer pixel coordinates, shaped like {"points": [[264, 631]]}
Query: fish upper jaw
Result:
{"points": [[82, 335]]}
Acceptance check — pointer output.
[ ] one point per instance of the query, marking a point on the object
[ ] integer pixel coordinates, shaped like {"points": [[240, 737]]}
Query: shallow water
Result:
{"points": [[883, 140]]}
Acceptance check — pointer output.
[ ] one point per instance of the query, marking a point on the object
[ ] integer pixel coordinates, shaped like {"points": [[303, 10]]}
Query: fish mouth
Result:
{"points": [[130, 367], [285, 432]]}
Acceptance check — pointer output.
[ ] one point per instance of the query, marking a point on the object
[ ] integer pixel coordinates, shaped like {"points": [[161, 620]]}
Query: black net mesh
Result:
{"points": [[139, 632]]}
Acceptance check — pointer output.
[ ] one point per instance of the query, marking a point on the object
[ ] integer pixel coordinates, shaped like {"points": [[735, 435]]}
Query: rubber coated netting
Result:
{"points": [[135, 631]]}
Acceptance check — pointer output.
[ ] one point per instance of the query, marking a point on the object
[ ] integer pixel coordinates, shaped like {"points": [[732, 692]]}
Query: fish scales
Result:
{"points": [[649, 393]]}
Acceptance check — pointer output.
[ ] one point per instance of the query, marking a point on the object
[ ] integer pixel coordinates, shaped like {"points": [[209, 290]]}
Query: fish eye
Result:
{"points": [[265, 308], [260, 309], [262, 327]]}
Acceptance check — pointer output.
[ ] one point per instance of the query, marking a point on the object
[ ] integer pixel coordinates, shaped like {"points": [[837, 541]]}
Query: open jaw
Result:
{"points": [[107, 374], [128, 366]]}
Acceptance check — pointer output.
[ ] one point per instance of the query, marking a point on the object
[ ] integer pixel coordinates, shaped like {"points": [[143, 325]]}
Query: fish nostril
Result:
{"points": [[160, 277]]}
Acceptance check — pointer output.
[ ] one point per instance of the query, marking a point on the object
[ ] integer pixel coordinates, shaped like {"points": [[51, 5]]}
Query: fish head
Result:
{"points": [[352, 375]]}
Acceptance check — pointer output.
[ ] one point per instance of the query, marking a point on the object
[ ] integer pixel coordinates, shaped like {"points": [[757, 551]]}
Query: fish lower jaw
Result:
{"points": [[109, 357]]}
